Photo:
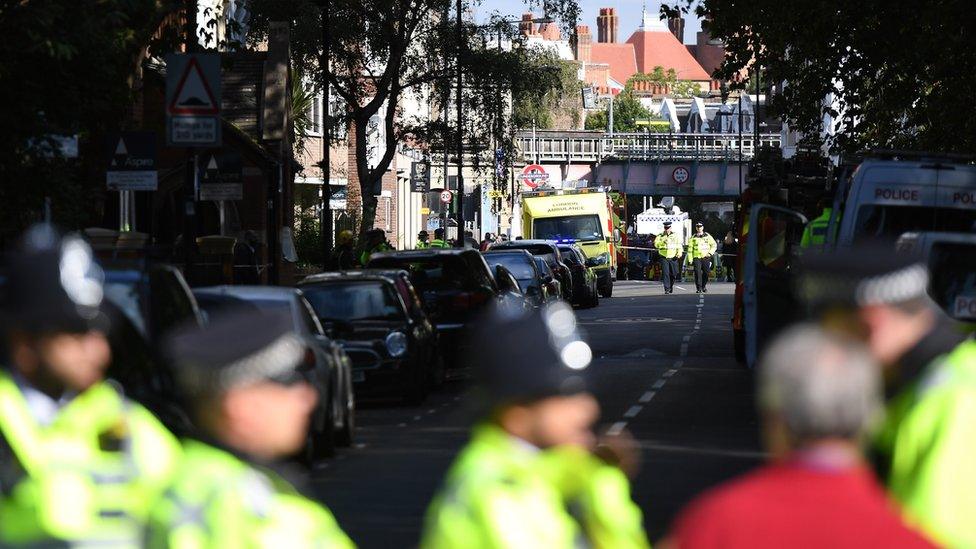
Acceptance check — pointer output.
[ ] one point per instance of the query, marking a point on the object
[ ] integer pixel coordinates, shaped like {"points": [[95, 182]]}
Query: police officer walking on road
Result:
{"points": [[251, 407], [530, 475], [701, 248], [669, 249], [80, 464], [927, 443], [423, 241]]}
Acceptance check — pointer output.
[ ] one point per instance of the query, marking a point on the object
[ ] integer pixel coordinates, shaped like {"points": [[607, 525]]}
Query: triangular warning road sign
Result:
{"points": [[212, 165], [193, 95], [120, 149]]}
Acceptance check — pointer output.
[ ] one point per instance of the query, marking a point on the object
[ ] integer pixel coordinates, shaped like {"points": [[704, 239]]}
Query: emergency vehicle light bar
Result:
{"points": [[558, 192]]}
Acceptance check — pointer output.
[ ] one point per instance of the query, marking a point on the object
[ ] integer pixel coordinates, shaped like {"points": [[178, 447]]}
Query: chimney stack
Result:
{"points": [[584, 44], [527, 27], [677, 27], [606, 25]]}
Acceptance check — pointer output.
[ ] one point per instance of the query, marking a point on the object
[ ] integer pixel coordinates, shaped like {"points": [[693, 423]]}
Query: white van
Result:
{"points": [[951, 259]]}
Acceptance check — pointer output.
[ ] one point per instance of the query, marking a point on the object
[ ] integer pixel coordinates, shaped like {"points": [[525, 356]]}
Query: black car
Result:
{"points": [[454, 285], [585, 291], [521, 265], [326, 366], [550, 251], [547, 279], [378, 319]]}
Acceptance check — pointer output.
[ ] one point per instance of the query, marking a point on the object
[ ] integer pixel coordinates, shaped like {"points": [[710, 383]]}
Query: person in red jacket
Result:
{"points": [[818, 395]]}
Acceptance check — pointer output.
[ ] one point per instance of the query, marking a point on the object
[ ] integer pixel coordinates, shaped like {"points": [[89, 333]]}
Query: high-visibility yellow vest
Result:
{"points": [[423, 244], [668, 245], [929, 442], [815, 233], [700, 247], [87, 478], [439, 243], [218, 500]]}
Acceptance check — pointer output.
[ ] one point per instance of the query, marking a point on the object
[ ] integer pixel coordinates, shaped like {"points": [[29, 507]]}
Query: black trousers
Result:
{"points": [[669, 272], [702, 266]]}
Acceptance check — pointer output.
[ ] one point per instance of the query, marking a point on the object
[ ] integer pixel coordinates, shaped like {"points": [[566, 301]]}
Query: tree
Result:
{"points": [[892, 73], [387, 51], [627, 111], [548, 94]]}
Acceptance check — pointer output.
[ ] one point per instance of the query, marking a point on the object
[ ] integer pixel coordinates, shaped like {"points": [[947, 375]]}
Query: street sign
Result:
{"points": [[131, 162], [534, 175], [193, 100], [420, 177], [589, 98], [221, 176], [681, 175], [446, 196]]}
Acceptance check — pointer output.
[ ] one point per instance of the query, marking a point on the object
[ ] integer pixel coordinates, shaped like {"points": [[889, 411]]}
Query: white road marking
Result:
{"points": [[684, 349], [633, 411], [617, 428], [416, 418], [658, 384], [679, 363], [359, 446], [646, 397], [402, 425], [686, 338], [670, 373], [697, 326], [432, 411]]}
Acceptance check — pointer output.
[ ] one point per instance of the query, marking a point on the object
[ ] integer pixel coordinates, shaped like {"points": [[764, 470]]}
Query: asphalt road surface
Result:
{"points": [[663, 369]]}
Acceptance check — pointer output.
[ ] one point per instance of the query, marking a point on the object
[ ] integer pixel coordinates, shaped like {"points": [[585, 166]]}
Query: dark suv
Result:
{"points": [[454, 285], [550, 251]]}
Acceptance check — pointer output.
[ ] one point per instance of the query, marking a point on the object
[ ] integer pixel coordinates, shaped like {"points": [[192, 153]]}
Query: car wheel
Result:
{"points": [[321, 442], [607, 291], [415, 388], [438, 374], [594, 298]]}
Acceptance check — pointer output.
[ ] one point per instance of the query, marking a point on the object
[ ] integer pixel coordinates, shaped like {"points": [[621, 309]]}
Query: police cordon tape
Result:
{"points": [[654, 250]]}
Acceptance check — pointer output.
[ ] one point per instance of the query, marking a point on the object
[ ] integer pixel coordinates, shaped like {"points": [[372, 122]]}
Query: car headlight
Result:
{"points": [[396, 344]]}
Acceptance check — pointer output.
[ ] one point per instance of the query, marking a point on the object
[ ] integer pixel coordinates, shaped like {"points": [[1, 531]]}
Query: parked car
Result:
{"points": [[521, 265], [454, 285], [585, 291], [144, 304], [547, 279], [326, 365], [550, 251], [378, 319]]}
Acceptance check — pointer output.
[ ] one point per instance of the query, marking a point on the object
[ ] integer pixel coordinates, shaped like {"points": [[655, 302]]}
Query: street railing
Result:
{"points": [[586, 146]]}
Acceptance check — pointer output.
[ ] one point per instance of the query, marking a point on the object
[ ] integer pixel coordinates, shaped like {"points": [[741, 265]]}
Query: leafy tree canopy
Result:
{"points": [[629, 115]]}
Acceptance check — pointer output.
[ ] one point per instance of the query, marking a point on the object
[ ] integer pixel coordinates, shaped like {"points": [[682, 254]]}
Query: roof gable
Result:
{"points": [[661, 49], [620, 57]]}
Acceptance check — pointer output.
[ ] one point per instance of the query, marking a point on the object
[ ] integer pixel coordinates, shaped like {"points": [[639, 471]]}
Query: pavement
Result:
{"points": [[664, 370]]}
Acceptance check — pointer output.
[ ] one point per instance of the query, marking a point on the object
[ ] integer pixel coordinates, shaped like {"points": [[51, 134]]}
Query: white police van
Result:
{"points": [[951, 259]]}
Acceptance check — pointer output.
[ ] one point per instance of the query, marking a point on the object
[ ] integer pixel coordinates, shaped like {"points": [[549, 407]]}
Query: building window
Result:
{"points": [[315, 116]]}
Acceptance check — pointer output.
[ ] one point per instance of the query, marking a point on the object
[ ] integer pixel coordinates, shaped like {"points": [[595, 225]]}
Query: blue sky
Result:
{"points": [[628, 10]]}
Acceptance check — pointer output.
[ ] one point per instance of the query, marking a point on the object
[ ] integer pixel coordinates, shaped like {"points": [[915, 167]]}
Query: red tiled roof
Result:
{"points": [[662, 49], [620, 57]]}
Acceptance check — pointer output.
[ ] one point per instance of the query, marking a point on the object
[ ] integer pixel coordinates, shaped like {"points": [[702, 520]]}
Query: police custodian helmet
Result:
{"points": [[53, 285]]}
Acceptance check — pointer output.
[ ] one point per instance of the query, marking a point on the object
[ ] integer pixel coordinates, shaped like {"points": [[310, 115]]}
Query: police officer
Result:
{"points": [[926, 446], [815, 233], [701, 248], [343, 258], [439, 241], [669, 249], [529, 476], [422, 240], [79, 463], [375, 243], [251, 407]]}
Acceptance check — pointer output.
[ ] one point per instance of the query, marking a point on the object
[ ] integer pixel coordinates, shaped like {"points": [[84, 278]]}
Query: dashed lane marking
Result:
{"points": [[684, 349], [402, 425], [670, 373], [686, 338], [432, 411], [633, 411], [416, 418], [658, 384], [646, 397], [617, 428]]}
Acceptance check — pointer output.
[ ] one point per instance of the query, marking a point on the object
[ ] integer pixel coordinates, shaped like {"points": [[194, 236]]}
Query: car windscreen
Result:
{"points": [[953, 284], [569, 256], [217, 304], [518, 264], [542, 266], [346, 301], [436, 273], [125, 296], [876, 221], [571, 227]]}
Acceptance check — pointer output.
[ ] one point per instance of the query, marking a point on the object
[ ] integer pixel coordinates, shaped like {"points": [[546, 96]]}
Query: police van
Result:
{"points": [[883, 198], [951, 260]]}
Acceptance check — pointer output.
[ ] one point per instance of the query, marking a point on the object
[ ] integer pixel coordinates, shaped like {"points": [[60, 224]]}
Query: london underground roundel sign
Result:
{"points": [[534, 175], [681, 175]]}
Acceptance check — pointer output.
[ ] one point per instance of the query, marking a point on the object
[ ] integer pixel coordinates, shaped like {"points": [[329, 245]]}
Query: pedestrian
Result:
{"points": [[439, 241], [925, 448], [701, 248], [815, 232], [422, 240], [80, 464], [530, 476], [469, 240], [343, 257], [669, 250], [375, 243], [486, 242], [818, 395], [251, 407], [246, 269]]}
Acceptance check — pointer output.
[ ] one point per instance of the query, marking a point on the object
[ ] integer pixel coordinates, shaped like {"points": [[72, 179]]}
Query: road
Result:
{"points": [[663, 369]]}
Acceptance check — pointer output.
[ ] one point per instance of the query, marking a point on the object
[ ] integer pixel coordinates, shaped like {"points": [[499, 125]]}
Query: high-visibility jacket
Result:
{"points": [[700, 247], [219, 500], [423, 244], [439, 243], [381, 247], [87, 478], [815, 233], [500, 494], [668, 245], [929, 446]]}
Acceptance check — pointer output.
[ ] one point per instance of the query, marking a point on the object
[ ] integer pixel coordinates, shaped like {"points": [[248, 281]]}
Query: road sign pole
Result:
{"points": [[190, 215]]}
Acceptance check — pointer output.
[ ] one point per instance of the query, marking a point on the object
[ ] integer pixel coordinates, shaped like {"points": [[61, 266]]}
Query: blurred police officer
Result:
{"points": [[375, 243], [79, 463], [927, 446], [528, 476], [701, 248], [423, 240], [670, 249], [343, 258], [251, 407], [439, 241]]}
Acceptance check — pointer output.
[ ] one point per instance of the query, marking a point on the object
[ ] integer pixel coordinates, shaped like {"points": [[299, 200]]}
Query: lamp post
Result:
{"points": [[326, 167]]}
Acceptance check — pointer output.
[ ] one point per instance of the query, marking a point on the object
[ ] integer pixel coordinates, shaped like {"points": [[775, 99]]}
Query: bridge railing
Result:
{"points": [[597, 147]]}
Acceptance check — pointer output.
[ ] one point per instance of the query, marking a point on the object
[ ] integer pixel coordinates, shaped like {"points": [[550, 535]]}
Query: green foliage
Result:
{"points": [[897, 73], [627, 111], [679, 88], [548, 92]]}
